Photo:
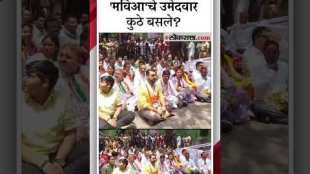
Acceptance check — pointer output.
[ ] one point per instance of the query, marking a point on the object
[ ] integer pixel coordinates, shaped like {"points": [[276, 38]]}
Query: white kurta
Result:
{"points": [[260, 73]]}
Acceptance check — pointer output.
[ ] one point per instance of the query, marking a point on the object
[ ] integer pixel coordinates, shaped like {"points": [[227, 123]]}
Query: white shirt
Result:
{"points": [[279, 82], [138, 81], [152, 47], [191, 50], [144, 161], [80, 29], [130, 84], [240, 36], [203, 83], [105, 65], [188, 164], [205, 165], [79, 100], [65, 37], [159, 70], [37, 36], [240, 6], [260, 73], [118, 171], [118, 66], [179, 141]]}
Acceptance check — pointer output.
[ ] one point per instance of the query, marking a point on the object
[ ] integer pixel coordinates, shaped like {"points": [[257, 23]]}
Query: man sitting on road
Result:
{"points": [[151, 101], [110, 106]]}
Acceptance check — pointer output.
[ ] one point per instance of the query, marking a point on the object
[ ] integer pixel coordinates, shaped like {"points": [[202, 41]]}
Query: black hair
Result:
{"points": [[166, 72], [184, 150], [141, 62], [44, 69], [127, 64], [180, 67], [27, 25], [110, 65], [54, 39], [153, 154], [257, 32], [68, 16], [108, 79], [114, 154], [149, 70], [198, 63], [271, 42], [124, 161]]}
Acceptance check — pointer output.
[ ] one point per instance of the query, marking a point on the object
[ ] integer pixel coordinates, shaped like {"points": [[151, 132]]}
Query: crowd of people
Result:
{"points": [[150, 76], [140, 152], [254, 62], [55, 88]]}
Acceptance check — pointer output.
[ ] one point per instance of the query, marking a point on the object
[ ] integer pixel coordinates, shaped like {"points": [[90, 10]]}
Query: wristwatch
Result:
{"points": [[61, 162], [44, 166], [44, 163]]}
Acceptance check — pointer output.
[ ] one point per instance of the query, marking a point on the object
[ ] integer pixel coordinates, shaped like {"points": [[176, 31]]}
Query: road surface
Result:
{"points": [[255, 148], [193, 116]]}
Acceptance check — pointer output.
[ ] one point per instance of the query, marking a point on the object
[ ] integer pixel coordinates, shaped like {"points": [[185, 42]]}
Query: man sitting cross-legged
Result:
{"points": [[185, 89], [151, 101], [128, 98], [170, 94], [110, 106], [48, 124], [203, 82]]}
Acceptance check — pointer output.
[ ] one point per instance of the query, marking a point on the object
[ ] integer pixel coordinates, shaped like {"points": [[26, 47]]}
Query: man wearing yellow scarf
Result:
{"points": [[185, 88], [151, 101]]}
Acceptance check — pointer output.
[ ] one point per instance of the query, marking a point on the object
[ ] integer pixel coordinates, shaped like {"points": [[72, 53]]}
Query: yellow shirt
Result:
{"points": [[52, 120], [147, 96], [150, 169], [108, 103]]}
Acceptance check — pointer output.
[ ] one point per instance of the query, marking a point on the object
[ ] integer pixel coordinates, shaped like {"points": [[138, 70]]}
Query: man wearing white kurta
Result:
{"points": [[263, 76], [255, 62], [69, 33], [205, 163]]}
